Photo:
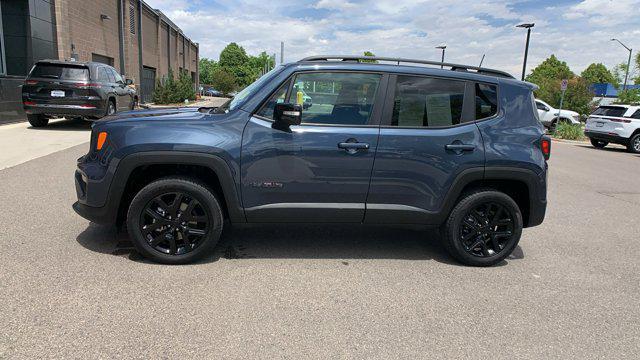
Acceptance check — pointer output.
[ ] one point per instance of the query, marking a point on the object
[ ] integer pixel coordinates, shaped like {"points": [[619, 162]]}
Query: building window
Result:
{"points": [[132, 18]]}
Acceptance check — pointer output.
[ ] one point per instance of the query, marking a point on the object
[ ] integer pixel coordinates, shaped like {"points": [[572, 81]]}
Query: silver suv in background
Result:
{"points": [[618, 124]]}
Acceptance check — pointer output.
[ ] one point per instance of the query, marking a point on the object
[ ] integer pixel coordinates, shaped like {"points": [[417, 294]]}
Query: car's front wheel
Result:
{"points": [[37, 120], [634, 144], [598, 143], [175, 220], [483, 228]]}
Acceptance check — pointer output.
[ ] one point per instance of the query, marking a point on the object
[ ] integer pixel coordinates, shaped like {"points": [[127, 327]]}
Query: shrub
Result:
{"points": [[170, 91], [629, 97], [568, 131]]}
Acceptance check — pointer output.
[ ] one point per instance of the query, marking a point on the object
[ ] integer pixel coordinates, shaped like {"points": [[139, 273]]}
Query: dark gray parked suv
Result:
{"points": [[87, 90]]}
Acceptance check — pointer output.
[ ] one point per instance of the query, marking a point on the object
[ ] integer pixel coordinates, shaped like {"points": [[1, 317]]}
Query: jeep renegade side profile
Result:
{"points": [[380, 143]]}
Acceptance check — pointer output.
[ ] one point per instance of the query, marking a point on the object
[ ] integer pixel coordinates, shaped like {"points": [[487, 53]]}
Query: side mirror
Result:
{"points": [[546, 108], [285, 115], [128, 82]]}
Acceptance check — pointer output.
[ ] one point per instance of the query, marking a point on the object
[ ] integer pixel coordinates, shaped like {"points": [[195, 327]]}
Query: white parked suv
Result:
{"points": [[618, 124], [549, 115]]}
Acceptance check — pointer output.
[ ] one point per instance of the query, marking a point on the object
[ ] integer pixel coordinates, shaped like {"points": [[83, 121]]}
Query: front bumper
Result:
{"points": [[607, 137], [98, 215]]}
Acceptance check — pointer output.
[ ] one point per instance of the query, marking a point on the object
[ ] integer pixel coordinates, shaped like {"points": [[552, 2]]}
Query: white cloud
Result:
{"points": [[398, 28]]}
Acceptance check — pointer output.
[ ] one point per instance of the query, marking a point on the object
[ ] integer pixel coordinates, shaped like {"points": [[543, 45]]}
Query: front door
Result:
{"points": [[313, 173], [428, 138]]}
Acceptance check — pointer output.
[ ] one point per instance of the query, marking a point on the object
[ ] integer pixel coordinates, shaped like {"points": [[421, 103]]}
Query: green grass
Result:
{"points": [[569, 131]]}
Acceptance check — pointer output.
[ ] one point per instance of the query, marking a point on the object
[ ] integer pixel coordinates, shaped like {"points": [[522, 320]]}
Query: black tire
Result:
{"points": [[159, 243], [507, 221], [634, 144], [111, 108], [599, 144], [37, 120]]}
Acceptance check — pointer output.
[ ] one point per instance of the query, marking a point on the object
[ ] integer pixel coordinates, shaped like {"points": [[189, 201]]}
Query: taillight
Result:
{"points": [[31, 82], [87, 85], [29, 103], [545, 146]]}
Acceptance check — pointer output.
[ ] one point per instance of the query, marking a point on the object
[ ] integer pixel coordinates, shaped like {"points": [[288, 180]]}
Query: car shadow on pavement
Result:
{"points": [[298, 241], [66, 125], [608, 148]]}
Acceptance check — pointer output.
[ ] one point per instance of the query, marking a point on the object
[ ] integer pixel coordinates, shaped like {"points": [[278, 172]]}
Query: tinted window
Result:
{"points": [[616, 111], [335, 98], [427, 102], [636, 115], [116, 77], [541, 106], [111, 75], [276, 98], [102, 75], [486, 101], [61, 72]]}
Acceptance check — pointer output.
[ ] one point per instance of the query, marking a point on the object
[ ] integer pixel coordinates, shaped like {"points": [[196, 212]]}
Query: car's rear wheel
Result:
{"points": [[37, 120], [598, 143], [634, 144], [483, 228], [111, 107], [175, 220]]}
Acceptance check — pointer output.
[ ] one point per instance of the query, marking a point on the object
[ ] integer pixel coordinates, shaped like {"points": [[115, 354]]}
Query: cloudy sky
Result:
{"points": [[578, 32]]}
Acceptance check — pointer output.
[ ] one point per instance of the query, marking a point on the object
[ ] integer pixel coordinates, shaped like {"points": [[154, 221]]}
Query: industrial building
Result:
{"points": [[139, 41]]}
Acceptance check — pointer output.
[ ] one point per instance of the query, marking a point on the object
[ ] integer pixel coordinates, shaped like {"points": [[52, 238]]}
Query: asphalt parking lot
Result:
{"points": [[69, 288]]}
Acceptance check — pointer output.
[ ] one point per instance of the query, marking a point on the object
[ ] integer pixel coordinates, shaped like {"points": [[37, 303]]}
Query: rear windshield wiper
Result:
{"points": [[50, 76]]}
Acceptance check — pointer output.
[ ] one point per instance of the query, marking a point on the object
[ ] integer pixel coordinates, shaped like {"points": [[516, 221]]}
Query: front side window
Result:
{"points": [[335, 98], [486, 101], [636, 115], [427, 102], [277, 98]]}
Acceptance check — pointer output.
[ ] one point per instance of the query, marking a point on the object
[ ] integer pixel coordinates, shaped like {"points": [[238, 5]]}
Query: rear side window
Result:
{"points": [[615, 111], [60, 72], [427, 102], [486, 101], [102, 75], [636, 115]]}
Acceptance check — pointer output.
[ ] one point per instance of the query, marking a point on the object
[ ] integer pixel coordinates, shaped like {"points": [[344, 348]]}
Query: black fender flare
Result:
{"points": [[214, 162]]}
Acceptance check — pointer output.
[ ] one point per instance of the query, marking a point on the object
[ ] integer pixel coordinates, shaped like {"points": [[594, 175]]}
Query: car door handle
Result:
{"points": [[460, 147], [353, 146]]}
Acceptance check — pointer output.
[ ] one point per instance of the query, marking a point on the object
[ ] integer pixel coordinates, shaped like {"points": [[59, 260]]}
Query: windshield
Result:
{"points": [[234, 102]]}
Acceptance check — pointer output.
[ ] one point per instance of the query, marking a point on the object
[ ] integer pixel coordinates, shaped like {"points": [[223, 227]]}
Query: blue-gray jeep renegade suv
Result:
{"points": [[328, 139]]}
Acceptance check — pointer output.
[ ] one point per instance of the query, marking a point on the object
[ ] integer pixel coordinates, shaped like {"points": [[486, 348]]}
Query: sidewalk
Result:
{"points": [[21, 143]]}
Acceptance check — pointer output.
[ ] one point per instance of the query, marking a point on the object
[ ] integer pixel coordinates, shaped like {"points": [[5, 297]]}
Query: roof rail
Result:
{"points": [[453, 67]]}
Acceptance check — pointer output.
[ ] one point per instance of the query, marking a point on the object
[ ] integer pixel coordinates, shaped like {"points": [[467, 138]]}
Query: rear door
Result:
{"points": [[59, 84], [428, 138], [315, 172]]}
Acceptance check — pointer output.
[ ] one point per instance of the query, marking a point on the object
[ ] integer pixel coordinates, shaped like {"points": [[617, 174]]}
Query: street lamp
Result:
{"points": [[626, 76], [526, 48], [442, 47]]}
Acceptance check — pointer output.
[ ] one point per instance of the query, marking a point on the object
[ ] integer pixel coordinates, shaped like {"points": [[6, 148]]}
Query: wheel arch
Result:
{"points": [[138, 169]]}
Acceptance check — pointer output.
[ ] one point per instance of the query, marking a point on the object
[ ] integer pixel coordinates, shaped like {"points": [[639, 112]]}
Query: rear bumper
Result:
{"points": [[94, 110], [608, 137]]}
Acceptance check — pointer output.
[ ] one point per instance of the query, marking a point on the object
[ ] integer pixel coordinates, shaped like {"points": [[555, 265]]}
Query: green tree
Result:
{"points": [[369, 53], [185, 87], [548, 76], [223, 81], [551, 68], [207, 67], [629, 97], [597, 74]]}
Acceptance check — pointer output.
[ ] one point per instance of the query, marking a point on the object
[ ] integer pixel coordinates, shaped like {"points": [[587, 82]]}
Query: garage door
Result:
{"points": [[148, 83]]}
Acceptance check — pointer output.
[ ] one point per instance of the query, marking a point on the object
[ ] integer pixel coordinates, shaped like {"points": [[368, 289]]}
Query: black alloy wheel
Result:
{"points": [[175, 220], [486, 230], [483, 228], [174, 223]]}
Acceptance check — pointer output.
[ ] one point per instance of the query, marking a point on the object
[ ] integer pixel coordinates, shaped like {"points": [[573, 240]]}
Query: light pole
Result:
{"points": [[626, 76], [442, 47], [526, 48]]}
